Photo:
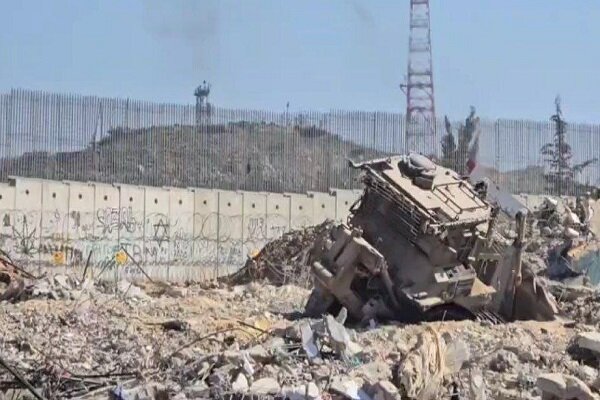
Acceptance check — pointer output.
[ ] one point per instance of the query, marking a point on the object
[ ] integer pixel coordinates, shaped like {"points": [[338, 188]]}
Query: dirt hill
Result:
{"points": [[244, 156], [236, 156]]}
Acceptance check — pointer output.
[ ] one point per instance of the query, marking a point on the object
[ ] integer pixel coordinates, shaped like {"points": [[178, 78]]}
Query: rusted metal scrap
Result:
{"points": [[11, 278]]}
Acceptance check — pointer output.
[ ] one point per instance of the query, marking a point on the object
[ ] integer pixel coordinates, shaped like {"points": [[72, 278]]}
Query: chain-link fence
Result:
{"points": [[71, 137]]}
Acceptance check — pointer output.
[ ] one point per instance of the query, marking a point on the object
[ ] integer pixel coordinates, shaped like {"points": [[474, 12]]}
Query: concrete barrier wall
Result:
{"points": [[174, 234]]}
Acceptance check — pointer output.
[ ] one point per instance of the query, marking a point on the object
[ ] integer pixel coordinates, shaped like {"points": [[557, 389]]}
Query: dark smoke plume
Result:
{"points": [[193, 23]]}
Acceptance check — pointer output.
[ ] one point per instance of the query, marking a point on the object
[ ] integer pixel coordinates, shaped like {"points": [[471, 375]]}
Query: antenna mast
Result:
{"points": [[420, 102]]}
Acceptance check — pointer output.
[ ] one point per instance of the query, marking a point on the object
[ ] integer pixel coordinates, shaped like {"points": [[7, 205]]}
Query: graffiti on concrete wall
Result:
{"points": [[61, 254], [228, 239], [25, 231], [59, 237], [115, 219]]}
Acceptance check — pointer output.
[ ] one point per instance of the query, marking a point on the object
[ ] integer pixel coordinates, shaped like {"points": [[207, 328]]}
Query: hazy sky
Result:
{"points": [[509, 58]]}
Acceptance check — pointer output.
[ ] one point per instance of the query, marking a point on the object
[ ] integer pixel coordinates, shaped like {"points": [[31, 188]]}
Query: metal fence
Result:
{"points": [[72, 137]]}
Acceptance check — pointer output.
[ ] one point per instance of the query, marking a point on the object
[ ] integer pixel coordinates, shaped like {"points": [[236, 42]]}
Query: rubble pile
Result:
{"points": [[556, 241], [128, 341], [578, 302], [70, 339], [421, 243], [283, 261]]}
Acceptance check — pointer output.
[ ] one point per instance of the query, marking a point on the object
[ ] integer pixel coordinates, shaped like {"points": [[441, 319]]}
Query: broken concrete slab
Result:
{"points": [[308, 341], [374, 372], [175, 291], [240, 384], [131, 291], [348, 388], [259, 353], [265, 386], [477, 387], [589, 341], [309, 391], [386, 390], [338, 335], [197, 391], [563, 387]]}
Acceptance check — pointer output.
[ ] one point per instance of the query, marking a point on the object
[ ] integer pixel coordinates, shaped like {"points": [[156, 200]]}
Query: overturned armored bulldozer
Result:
{"points": [[418, 245]]}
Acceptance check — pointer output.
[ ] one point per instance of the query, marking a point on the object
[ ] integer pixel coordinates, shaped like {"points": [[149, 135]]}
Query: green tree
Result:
{"points": [[455, 155], [560, 178], [448, 146]]}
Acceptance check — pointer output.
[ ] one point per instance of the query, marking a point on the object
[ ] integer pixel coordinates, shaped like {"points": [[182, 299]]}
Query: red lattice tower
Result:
{"points": [[420, 101]]}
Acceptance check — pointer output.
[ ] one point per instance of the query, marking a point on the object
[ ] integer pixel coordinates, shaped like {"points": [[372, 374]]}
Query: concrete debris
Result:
{"points": [[131, 291], [240, 384], [282, 261], [503, 361], [308, 341], [589, 341], [349, 389], [563, 387], [309, 391], [338, 337], [385, 390], [240, 342], [69, 337], [477, 387], [265, 386]]}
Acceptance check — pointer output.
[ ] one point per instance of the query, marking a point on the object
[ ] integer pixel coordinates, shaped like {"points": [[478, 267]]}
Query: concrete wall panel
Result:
{"points": [[254, 228], [7, 207], [323, 207], [343, 201], [25, 222], [157, 230], [173, 234], [206, 222], [181, 213], [278, 215], [54, 247], [107, 215], [230, 246], [131, 228], [301, 211], [81, 221]]}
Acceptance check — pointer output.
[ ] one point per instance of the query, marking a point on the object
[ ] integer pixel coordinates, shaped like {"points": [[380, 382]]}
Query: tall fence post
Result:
{"points": [[70, 137], [9, 120], [497, 149]]}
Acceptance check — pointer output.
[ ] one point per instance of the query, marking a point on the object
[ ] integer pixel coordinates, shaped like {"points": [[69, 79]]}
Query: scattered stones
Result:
{"points": [[265, 386], [240, 384], [308, 341], [283, 260], [503, 361], [563, 387], [259, 354], [203, 351], [348, 388], [131, 291], [477, 387], [309, 391], [175, 291], [338, 336], [589, 341], [385, 390], [197, 391]]}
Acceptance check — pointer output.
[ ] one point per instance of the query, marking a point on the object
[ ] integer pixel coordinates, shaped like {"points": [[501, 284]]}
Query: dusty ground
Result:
{"points": [[92, 341]]}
